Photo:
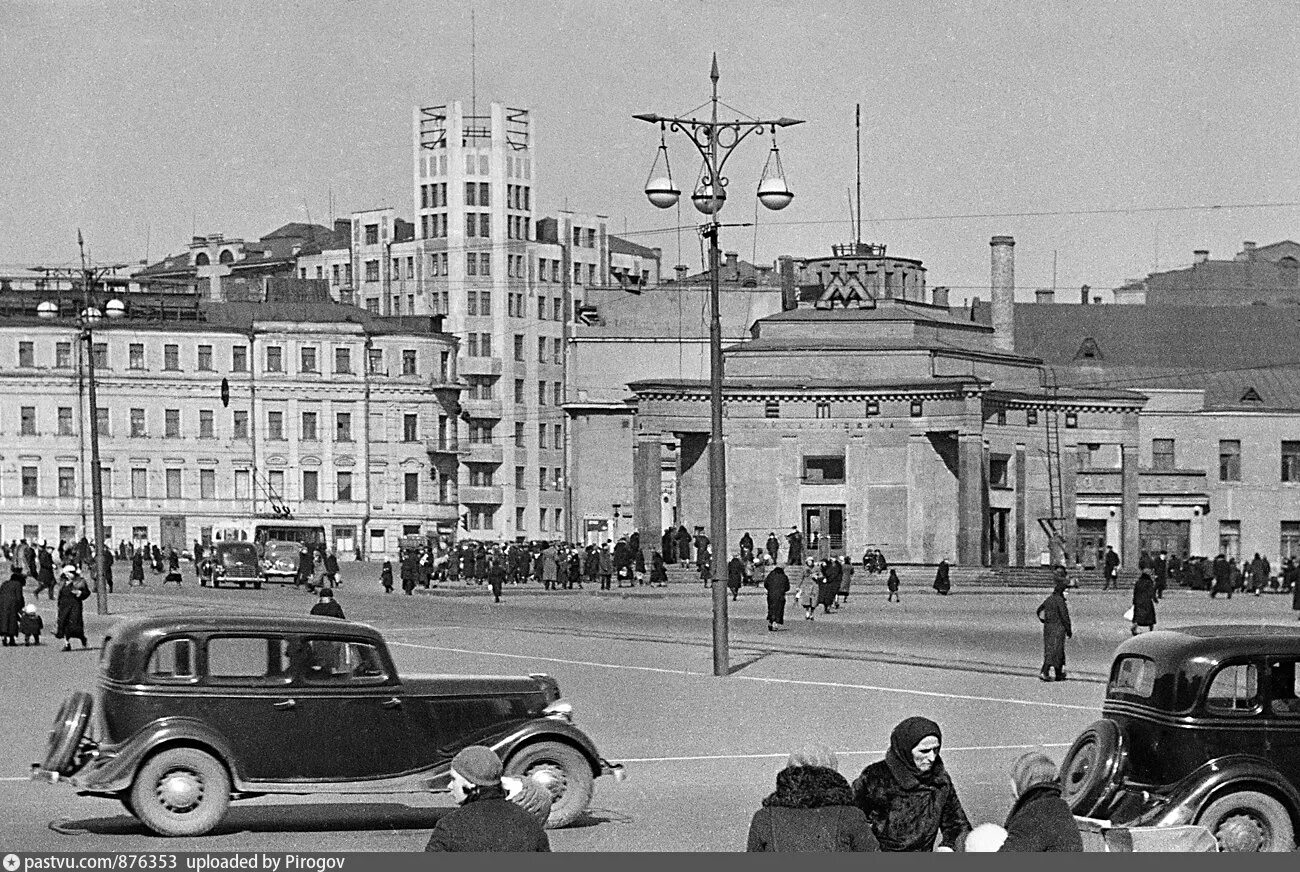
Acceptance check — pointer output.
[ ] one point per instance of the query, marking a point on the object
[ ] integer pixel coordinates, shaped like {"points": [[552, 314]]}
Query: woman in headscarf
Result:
{"points": [[908, 797], [1144, 603], [811, 810], [1040, 820], [777, 585], [1055, 618], [941, 582]]}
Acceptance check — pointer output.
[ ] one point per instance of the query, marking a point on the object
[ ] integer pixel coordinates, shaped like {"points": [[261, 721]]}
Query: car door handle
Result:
{"points": [[284, 704], [393, 703]]}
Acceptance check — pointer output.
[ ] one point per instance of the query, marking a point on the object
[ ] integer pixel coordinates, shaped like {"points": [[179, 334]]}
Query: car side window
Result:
{"points": [[1284, 688], [248, 658], [1235, 688], [339, 662], [172, 659]]}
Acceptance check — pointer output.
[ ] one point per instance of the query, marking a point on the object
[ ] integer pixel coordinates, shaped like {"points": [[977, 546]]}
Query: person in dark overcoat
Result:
{"points": [[12, 602], [1160, 569], [908, 797], [683, 544], [327, 607], [1144, 603], [941, 582], [45, 579], [1222, 577], [747, 548], [794, 548], [668, 546], [811, 810], [1040, 821], [846, 578], [735, 576], [1055, 618], [486, 819], [386, 576], [832, 573], [777, 586], [496, 578], [773, 546], [893, 584], [658, 572], [70, 622], [137, 569]]}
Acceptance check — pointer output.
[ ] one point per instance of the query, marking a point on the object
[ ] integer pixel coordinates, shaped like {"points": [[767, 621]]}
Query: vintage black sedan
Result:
{"points": [[1201, 725], [230, 563], [193, 711]]}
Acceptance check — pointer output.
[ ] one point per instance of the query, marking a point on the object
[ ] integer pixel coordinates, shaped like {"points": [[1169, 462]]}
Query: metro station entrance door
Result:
{"points": [[823, 531]]}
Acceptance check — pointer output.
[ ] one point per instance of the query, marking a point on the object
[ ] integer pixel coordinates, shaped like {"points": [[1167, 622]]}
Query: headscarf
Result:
{"points": [[906, 736], [1032, 769], [1061, 586]]}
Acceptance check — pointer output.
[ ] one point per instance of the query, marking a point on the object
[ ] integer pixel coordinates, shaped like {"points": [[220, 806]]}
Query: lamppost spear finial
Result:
{"points": [[714, 73]]}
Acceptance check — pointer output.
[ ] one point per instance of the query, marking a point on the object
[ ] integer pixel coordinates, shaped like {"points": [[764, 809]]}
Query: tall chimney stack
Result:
{"points": [[1200, 255], [941, 296], [789, 291], [1003, 287]]}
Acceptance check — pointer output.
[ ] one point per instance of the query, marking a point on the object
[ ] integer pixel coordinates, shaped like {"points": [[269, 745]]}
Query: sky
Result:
{"points": [[1109, 138]]}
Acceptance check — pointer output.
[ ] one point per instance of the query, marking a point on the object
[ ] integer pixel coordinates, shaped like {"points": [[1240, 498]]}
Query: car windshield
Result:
{"points": [[282, 551], [238, 557]]}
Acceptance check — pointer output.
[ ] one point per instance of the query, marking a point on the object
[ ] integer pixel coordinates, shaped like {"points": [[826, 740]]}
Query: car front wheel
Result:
{"points": [[180, 792], [1249, 821], [564, 771]]}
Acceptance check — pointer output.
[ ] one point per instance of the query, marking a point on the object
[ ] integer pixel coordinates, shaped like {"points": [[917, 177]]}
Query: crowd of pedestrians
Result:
{"points": [[67, 586]]}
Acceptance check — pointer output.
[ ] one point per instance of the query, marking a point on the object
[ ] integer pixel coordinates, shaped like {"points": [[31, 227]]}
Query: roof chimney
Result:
{"points": [[1200, 255], [1097, 300], [789, 292], [941, 296], [1248, 249], [1043, 296], [1083, 295], [732, 270], [681, 271], [1003, 287]]}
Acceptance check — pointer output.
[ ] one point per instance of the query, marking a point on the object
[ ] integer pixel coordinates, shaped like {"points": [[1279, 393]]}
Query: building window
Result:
{"points": [[1229, 460], [999, 470], [310, 485], [1162, 454], [873, 408], [100, 355], [102, 419], [1291, 461], [171, 357], [29, 481], [65, 420], [541, 393], [343, 487], [106, 483], [27, 421], [26, 354], [1031, 417], [139, 483], [519, 518], [916, 408], [206, 429], [173, 484], [1071, 420], [409, 362], [275, 426], [541, 478], [343, 427], [307, 359], [557, 354], [519, 434], [372, 270], [372, 234], [275, 483], [557, 393], [307, 432], [243, 484], [239, 425], [135, 356], [823, 470], [480, 433], [343, 360], [541, 435], [1290, 548], [823, 409], [1230, 539], [67, 481], [772, 409], [63, 355], [239, 358], [1001, 417], [172, 423], [375, 361], [410, 428], [520, 472], [207, 484], [274, 359], [137, 423], [204, 362], [559, 436], [411, 487], [519, 391]]}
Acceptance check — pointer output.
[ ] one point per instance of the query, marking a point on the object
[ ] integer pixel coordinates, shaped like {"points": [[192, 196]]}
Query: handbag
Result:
{"points": [[1128, 616]]}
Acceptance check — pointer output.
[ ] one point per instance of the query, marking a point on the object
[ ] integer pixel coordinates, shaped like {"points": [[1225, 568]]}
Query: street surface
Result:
{"points": [[701, 751]]}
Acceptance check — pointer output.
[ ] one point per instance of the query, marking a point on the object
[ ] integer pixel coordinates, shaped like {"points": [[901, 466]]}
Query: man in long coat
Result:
{"points": [[683, 544], [794, 555], [11, 603], [71, 623], [777, 585], [773, 547], [1222, 577], [44, 573], [1055, 616], [668, 546]]}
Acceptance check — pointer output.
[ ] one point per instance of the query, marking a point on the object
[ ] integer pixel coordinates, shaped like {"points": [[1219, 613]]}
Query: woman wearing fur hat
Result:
{"points": [[1040, 820], [486, 820], [811, 810], [908, 797]]}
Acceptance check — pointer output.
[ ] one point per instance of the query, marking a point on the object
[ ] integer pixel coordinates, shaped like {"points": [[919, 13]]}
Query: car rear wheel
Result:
{"points": [[564, 771], [180, 792], [69, 726], [1092, 768], [1249, 821]]}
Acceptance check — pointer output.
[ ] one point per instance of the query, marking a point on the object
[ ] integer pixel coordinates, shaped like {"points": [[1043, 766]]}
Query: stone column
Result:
{"points": [[646, 461], [970, 499], [1019, 557], [1129, 508]]}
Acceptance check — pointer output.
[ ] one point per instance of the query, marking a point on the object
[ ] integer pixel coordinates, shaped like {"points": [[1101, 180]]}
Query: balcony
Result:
{"points": [[480, 494], [442, 446], [479, 365], [482, 408], [484, 452]]}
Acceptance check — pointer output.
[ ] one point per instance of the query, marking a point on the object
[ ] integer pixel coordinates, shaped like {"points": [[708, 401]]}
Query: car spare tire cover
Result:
{"points": [[65, 736], [1092, 767]]}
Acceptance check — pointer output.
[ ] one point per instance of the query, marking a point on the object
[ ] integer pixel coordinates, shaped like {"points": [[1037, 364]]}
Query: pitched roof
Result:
{"points": [[298, 230], [619, 245]]}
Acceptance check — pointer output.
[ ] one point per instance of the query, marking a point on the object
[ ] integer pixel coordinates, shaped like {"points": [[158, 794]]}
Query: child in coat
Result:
{"points": [[893, 586], [386, 576], [30, 625]]}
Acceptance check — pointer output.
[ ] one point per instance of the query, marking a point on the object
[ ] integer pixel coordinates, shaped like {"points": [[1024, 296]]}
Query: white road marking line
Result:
{"points": [[14, 778], [784, 754], [842, 685]]}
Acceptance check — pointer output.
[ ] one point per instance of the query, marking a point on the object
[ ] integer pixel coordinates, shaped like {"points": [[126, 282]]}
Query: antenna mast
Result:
{"points": [[473, 65], [857, 124]]}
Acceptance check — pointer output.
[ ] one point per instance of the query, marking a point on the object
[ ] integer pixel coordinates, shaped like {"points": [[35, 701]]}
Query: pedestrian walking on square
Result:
{"points": [[811, 810], [1110, 569], [45, 579], [1222, 573], [1259, 574], [794, 547], [942, 584], [605, 565], [331, 562], [302, 577], [30, 625], [496, 577], [1160, 566], [137, 570], [846, 578], [410, 572], [908, 797], [773, 546], [658, 572], [1054, 615], [832, 572], [735, 576], [1144, 603], [806, 592], [12, 603], [70, 622], [683, 544], [386, 576], [668, 546], [1040, 821], [746, 548], [777, 585], [893, 584]]}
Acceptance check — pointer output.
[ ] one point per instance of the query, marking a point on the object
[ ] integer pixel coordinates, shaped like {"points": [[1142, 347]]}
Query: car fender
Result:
{"points": [[549, 729], [116, 770], [1191, 795]]}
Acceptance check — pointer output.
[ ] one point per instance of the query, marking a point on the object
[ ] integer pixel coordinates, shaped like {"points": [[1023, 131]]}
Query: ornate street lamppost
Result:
{"points": [[715, 141], [87, 318]]}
